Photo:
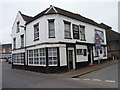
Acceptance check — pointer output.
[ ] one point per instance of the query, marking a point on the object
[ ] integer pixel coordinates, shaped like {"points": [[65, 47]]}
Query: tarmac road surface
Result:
{"points": [[14, 78]]}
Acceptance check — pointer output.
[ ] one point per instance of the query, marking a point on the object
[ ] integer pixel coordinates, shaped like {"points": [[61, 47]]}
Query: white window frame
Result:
{"points": [[42, 56], [18, 58], [82, 33], [52, 56], [37, 56], [67, 30], [36, 31], [22, 40], [51, 29]]}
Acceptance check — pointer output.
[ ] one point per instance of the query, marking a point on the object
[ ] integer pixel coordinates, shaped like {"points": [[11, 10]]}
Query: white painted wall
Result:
{"points": [[59, 34], [81, 58], [63, 58], [14, 29], [43, 31], [89, 30], [59, 30], [18, 51]]}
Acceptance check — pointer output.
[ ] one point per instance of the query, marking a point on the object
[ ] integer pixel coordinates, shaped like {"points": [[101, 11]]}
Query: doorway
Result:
{"points": [[90, 55], [71, 59]]}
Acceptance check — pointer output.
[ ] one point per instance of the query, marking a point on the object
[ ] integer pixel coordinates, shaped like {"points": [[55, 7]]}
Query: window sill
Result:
{"points": [[83, 39], [51, 37], [67, 38], [36, 39]]}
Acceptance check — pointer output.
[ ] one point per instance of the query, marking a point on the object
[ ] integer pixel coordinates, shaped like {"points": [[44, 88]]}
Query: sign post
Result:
{"points": [[97, 44]]}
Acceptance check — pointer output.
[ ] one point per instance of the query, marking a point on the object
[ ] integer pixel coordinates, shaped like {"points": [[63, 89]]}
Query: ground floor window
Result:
{"points": [[52, 56], [18, 58], [37, 56], [82, 52], [42, 56]]}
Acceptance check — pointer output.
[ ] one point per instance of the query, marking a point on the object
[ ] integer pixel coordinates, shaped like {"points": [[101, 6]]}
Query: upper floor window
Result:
{"points": [[36, 31], [82, 32], [14, 43], [75, 31], [51, 28], [22, 40], [67, 29], [18, 28]]}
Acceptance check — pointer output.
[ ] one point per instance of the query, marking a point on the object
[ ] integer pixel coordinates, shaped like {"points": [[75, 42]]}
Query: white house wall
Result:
{"points": [[89, 30], [59, 30], [14, 30], [63, 58], [43, 30], [18, 51]]}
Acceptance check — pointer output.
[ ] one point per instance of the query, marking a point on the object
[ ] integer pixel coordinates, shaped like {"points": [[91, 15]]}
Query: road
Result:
{"points": [[14, 78]]}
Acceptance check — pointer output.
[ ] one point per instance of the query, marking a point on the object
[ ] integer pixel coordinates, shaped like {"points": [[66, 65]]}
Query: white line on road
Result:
{"points": [[76, 78], [97, 80], [86, 79], [110, 81]]}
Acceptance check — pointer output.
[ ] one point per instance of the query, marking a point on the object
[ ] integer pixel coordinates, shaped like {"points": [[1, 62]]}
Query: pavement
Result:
{"points": [[84, 70]]}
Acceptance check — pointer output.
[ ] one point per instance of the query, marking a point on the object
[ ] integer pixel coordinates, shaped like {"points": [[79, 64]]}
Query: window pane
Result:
{"points": [[42, 56], [36, 31], [51, 28], [67, 30], [52, 56], [52, 33]]}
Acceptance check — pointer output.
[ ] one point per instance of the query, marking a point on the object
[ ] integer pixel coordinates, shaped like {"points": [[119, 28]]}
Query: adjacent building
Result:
{"points": [[56, 40], [113, 42], [6, 51]]}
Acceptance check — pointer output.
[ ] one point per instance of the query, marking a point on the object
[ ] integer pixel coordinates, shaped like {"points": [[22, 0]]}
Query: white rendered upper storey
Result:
{"points": [[56, 25]]}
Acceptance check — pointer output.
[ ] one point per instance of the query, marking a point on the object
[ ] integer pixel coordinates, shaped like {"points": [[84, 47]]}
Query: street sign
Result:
{"points": [[98, 47]]}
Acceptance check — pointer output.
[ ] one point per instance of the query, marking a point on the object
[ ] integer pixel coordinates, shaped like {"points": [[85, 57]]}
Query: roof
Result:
{"points": [[105, 26], [25, 17], [112, 35], [56, 10]]}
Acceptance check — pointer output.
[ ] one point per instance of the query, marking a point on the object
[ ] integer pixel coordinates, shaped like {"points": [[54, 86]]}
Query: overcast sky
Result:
{"points": [[100, 11]]}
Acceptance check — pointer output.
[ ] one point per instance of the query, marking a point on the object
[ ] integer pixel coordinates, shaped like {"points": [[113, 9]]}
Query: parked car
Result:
{"points": [[10, 60]]}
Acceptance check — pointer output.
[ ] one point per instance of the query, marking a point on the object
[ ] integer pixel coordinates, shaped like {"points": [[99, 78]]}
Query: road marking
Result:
{"points": [[76, 78], [110, 81], [86, 79], [97, 80]]}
